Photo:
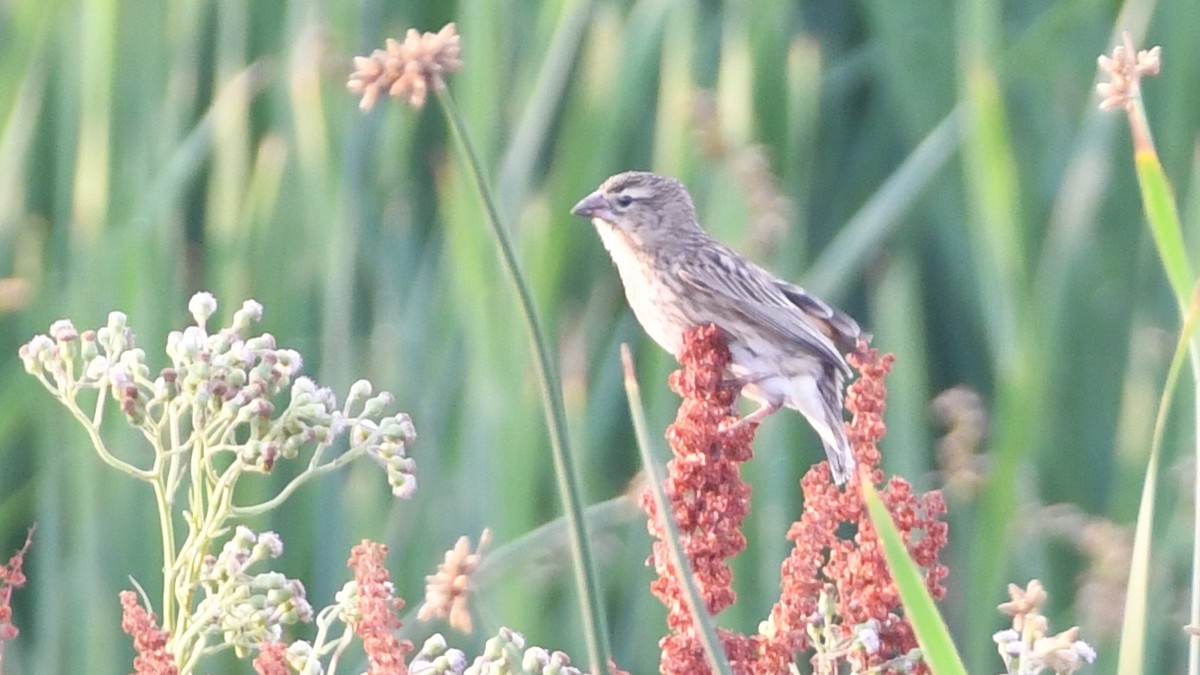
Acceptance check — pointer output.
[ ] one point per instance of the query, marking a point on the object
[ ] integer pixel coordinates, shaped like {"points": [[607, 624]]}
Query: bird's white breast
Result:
{"points": [[648, 295]]}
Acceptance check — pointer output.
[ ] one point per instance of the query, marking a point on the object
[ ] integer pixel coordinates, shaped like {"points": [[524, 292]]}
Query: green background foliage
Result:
{"points": [[935, 168]]}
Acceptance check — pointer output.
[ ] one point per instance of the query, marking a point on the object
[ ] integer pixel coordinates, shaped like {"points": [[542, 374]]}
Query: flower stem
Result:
{"points": [[167, 533], [596, 632], [1166, 227]]}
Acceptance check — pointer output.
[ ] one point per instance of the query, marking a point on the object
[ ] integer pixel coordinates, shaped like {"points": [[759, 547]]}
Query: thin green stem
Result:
{"points": [[1133, 627], [167, 532], [596, 632], [171, 417], [1193, 640], [313, 471], [93, 433], [193, 658], [1162, 215], [98, 416]]}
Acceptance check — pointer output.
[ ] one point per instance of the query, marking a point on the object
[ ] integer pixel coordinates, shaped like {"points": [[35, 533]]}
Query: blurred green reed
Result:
{"points": [[148, 150]]}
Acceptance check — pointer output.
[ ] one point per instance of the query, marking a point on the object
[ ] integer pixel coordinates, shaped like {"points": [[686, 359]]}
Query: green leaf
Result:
{"points": [[1158, 200], [937, 648], [1133, 624]]}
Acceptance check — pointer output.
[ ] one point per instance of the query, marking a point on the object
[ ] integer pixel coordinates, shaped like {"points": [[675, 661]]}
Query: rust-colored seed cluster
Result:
{"points": [[407, 70], [11, 576], [149, 641], [853, 570], [709, 501], [271, 659], [377, 607]]}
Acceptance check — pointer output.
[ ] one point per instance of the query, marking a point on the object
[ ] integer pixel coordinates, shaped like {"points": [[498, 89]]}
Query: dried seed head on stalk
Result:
{"points": [[409, 69], [446, 591], [1023, 603], [1126, 67], [1028, 647], [961, 411], [835, 595]]}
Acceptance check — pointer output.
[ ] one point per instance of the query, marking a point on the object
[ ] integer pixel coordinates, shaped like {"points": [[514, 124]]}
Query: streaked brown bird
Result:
{"points": [[786, 344]]}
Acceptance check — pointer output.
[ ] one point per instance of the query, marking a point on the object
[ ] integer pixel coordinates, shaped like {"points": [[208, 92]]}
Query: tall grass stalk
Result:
{"points": [[1127, 66], [1133, 625], [587, 582]]}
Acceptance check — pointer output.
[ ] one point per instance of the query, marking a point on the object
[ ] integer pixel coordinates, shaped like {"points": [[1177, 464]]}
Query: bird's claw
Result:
{"points": [[739, 381], [726, 426], [754, 418], [732, 383]]}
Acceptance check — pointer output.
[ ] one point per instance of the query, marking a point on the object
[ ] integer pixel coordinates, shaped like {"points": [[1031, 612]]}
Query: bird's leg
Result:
{"points": [[756, 416], [739, 381]]}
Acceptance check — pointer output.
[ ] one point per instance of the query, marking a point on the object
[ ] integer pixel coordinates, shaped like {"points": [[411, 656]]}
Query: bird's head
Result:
{"points": [[643, 206]]}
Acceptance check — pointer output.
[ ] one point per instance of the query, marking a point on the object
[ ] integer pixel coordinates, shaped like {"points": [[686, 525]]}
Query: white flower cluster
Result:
{"points": [[223, 387], [249, 609], [504, 654]]}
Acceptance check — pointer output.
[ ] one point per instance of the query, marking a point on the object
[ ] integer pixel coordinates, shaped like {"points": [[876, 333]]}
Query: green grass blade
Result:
{"points": [[1162, 215], [995, 236], [933, 636], [1133, 625], [878, 219]]}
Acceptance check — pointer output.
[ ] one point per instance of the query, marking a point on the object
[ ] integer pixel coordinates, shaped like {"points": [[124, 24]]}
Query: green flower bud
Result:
{"points": [[115, 337], [251, 312], [87, 345], [291, 447], [358, 391], [364, 432], [404, 486], [435, 645], [375, 406], [262, 343], [95, 369], [290, 360], [34, 353], [237, 378], [493, 649], [398, 428], [535, 659], [220, 344]]}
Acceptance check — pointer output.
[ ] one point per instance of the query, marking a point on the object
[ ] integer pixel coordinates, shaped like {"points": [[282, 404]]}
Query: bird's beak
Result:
{"points": [[594, 205]]}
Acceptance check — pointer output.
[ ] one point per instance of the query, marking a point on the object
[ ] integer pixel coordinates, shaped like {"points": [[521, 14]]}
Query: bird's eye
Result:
{"points": [[624, 200]]}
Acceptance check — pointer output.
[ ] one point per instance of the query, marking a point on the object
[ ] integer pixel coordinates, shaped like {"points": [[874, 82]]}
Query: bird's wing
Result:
{"points": [[743, 288], [844, 330]]}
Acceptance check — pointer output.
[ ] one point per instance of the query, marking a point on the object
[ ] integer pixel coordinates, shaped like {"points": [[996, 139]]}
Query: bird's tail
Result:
{"points": [[828, 422], [837, 449]]}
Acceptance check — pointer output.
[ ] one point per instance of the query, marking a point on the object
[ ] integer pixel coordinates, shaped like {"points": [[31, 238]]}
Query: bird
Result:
{"points": [[786, 345]]}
